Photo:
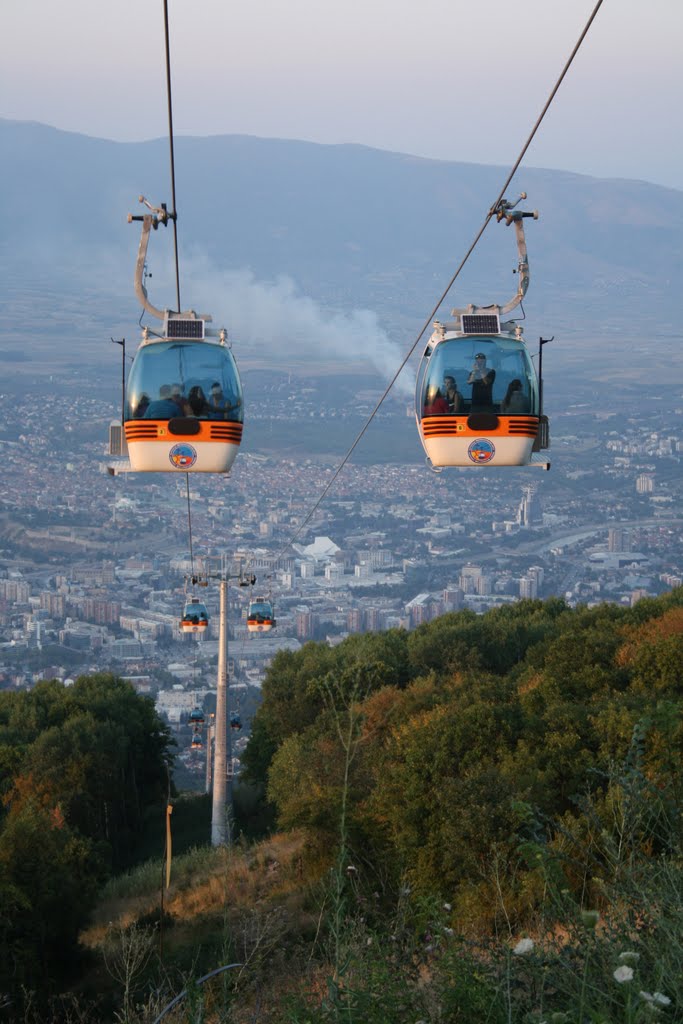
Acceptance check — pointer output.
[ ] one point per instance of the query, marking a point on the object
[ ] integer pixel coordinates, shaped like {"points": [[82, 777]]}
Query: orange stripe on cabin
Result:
{"points": [[456, 426], [209, 430]]}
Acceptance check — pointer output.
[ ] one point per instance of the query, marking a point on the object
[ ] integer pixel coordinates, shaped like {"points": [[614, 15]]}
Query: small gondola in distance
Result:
{"points": [[195, 618], [260, 616]]}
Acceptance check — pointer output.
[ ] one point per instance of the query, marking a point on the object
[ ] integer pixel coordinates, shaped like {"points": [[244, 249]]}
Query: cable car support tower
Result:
{"points": [[223, 773]]}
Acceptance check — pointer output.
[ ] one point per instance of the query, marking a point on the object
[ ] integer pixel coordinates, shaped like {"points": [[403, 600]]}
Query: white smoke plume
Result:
{"points": [[273, 319]]}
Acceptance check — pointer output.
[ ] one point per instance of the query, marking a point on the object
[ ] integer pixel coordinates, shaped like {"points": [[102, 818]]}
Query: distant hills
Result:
{"points": [[353, 228]]}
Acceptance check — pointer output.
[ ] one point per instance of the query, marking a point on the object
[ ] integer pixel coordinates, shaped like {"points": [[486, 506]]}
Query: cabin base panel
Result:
{"points": [[478, 451], [181, 456]]}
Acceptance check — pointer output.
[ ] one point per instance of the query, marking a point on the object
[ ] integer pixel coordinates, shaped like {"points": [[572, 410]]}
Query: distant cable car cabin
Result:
{"points": [[477, 398], [195, 617], [196, 742], [260, 616], [235, 720], [196, 716], [183, 409]]}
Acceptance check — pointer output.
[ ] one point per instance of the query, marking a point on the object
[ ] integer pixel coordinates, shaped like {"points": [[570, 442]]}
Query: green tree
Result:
{"points": [[462, 723], [293, 692], [49, 876], [97, 750]]}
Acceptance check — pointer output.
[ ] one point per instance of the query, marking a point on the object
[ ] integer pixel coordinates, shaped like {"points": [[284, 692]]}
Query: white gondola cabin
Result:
{"points": [[183, 405], [183, 408], [260, 616], [477, 398], [195, 618], [197, 716]]}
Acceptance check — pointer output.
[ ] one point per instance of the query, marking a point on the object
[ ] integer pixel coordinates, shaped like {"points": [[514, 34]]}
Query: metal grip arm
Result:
{"points": [[504, 211], [157, 215], [148, 221]]}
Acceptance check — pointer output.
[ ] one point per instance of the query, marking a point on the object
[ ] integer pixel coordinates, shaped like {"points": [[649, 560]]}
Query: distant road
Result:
{"points": [[571, 537]]}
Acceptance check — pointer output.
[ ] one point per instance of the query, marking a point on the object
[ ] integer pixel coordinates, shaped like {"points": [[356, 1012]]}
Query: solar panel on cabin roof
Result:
{"points": [[480, 323], [180, 330]]}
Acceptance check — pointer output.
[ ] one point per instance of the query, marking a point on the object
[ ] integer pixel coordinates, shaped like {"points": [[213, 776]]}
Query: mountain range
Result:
{"points": [[318, 252]]}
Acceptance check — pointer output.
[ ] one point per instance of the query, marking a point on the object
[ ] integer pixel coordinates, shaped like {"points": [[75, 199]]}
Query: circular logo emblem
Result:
{"points": [[182, 456], [481, 451]]}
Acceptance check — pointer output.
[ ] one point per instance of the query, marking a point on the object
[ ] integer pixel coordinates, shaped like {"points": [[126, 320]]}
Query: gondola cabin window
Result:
{"points": [[171, 379], [479, 374]]}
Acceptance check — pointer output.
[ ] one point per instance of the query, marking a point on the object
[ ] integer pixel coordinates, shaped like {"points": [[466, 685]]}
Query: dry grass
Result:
{"points": [[207, 882]]}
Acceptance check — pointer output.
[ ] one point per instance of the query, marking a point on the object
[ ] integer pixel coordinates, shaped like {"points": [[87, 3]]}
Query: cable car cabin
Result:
{"points": [[477, 396], [183, 408], [196, 742], [195, 618], [196, 716], [235, 720], [260, 616]]}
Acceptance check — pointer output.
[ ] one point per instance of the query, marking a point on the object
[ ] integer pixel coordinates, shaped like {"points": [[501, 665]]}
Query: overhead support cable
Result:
{"points": [[174, 214], [189, 526], [174, 217]]}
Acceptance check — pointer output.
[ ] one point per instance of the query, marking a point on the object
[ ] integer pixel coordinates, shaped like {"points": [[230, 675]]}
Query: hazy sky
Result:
{"points": [[438, 78]]}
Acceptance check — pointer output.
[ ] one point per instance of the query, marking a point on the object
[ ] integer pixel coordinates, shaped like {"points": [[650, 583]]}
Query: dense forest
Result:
{"points": [[477, 820], [470, 736], [80, 766]]}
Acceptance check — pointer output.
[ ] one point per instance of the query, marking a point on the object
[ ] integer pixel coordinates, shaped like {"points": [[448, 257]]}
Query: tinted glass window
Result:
{"points": [[260, 608], [464, 375], [170, 378]]}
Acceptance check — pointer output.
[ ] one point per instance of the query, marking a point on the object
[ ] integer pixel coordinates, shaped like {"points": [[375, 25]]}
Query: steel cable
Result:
{"points": [[174, 213]]}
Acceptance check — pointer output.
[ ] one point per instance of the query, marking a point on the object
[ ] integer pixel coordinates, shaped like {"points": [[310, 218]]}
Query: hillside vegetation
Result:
{"points": [[476, 821], [80, 767]]}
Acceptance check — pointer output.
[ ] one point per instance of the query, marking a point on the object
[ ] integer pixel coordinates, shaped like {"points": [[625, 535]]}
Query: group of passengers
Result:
{"points": [[197, 619], [450, 401], [171, 403]]}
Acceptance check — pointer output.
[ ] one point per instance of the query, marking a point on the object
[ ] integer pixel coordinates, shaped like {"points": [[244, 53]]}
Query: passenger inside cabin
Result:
{"points": [[164, 408], [435, 403], [142, 406], [219, 404], [180, 400], [515, 400], [481, 378], [454, 400], [197, 401]]}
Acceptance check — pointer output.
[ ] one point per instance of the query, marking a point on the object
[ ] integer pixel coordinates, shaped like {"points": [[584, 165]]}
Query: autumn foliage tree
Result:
{"points": [[477, 735]]}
